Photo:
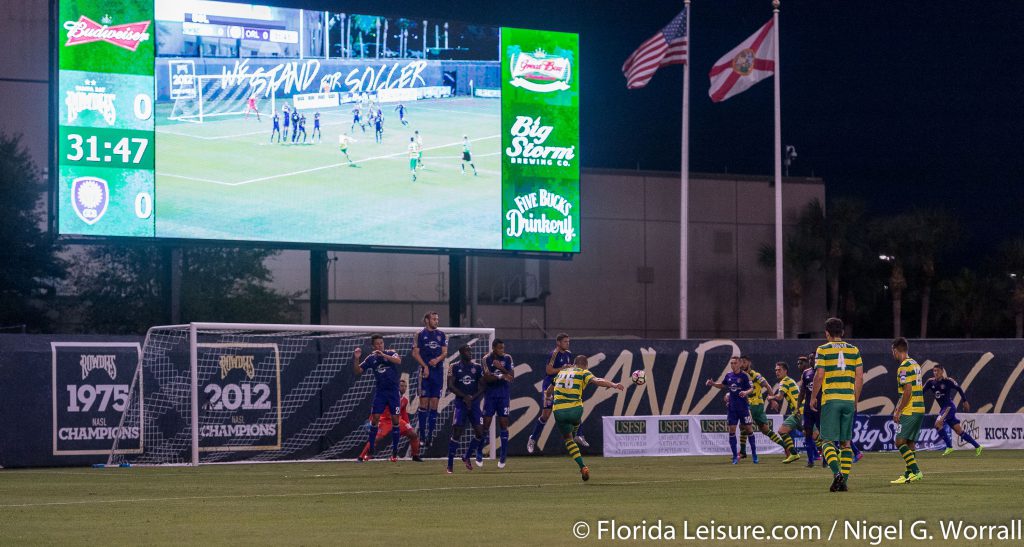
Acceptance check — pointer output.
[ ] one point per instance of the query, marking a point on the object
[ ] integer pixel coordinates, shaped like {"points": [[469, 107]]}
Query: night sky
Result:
{"points": [[900, 103]]}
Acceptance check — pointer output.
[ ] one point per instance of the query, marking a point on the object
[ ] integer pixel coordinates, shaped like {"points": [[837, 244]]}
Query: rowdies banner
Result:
{"points": [[540, 140], [90, 387], [240, 398]]}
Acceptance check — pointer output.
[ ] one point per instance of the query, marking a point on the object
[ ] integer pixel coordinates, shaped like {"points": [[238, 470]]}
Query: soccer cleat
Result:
{"points": [[479, 461], [902, 479], [947, 451], [977, 451], [581, 441], [367, 458], [791, 458], [585, 472], [469, 465], [810, 465], [501, 465], [743, 455], [857, 457], [754, 458], [531, 445], [914, 477], [417, 459], [393, 458], [735, 461], [448, 469], [837, 482], [843, 487]]}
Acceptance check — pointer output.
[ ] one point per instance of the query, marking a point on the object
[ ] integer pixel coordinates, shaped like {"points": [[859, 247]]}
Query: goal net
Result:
{"points": [[216, 96], [215, 392]]}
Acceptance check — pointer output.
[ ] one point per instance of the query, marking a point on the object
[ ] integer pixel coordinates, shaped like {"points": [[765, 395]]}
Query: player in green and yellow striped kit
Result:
{"points": [[909, 411], [839, 376], [761, 388], [567, 390], [788, 391]]}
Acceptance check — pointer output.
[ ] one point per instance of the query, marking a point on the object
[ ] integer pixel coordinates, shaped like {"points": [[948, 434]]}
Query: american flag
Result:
{"points": [[667, 47]]}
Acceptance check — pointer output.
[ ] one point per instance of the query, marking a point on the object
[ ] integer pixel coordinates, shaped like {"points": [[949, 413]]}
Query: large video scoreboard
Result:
{"points": [[215, 121]]}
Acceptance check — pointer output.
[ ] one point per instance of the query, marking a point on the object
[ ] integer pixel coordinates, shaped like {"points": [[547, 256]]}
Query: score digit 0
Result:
{"points": [[143, 205], [143, 106]]}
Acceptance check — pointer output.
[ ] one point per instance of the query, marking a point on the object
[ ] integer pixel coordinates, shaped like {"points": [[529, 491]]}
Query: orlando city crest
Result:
{"points": [[541, 71], [89, 198]]}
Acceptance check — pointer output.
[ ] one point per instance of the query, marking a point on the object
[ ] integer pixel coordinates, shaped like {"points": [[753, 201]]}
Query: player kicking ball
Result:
{"points": [[343, 142], [567, 394]]}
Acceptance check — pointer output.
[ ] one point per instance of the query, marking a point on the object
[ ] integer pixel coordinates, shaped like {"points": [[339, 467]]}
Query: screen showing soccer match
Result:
{"points": [[197, 120]]}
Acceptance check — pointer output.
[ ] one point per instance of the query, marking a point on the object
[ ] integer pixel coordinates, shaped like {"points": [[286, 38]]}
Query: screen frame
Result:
{"points": [[53, 176]]}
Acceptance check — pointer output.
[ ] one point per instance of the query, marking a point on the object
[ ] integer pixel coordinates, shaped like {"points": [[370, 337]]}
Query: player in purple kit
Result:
{"points": [[944, 388], [811, 416], [466, 382], [429, 349], [738, 384], [277, 127], [560, 357], [498, 375], [386, 395]]}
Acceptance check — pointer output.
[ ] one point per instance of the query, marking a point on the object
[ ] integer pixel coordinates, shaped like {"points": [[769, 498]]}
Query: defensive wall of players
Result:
{"points": [[59, 395]]}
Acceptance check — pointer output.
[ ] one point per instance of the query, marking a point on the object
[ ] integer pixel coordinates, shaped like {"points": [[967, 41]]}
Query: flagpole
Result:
{"points": [[780, 322], [684, 190]]}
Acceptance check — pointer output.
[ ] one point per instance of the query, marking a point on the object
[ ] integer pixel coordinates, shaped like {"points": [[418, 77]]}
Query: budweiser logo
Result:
{"points": [[85, 30], [540, 71]]}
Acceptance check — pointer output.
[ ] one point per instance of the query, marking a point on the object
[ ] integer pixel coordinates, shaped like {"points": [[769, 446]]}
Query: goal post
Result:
{"points": [[250, 393], [216, 96]]}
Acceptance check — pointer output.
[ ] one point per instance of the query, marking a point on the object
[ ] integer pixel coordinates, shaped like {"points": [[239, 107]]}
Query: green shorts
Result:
{"points": [[794, 422], [412, 163], [758, 416], [837, 420], [568, 419], [910, 427]]}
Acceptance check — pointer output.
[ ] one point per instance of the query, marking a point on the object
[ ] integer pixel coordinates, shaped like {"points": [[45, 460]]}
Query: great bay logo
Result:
{"points": [[523, 219], [106, 363], [89, 198], [85, 30], [540, 71], [673, 426], [528, 138], [232, 362], [630, 427], [89, 96], [714, 426]]}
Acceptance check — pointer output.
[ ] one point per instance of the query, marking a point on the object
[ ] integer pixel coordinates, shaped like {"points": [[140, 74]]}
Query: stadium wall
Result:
{"points": [[287, 77], [988, 370]]}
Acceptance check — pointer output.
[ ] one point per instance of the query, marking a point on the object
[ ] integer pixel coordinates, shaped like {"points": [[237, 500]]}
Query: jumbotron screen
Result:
{"points": [[196, 120]]}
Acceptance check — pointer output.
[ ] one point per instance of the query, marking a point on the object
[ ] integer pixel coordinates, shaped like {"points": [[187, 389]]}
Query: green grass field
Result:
{"points": [[224, 179], [532, 501]]}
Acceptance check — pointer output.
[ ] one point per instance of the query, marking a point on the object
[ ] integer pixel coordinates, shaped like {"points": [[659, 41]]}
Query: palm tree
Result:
{"points": [[929, 234], [804, 253], [1010, 259], [965, 301], [889, 238]]}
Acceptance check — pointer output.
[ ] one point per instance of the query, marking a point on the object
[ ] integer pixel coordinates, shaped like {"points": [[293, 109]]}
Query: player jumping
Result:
{"points": [[386, 395], [560, 357], [467, 157], [251, 107], [944, 387], [498, 375], [405, 430], [738, 385], [567, 393], [466, 382], [401, 113]]}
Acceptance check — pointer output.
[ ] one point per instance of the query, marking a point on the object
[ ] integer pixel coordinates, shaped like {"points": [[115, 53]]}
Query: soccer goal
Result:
{"points": [[220, 95], [225, 392]]}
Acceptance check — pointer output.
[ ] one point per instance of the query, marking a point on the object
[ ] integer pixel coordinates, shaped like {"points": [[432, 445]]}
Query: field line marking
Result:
{"points": [[316, 494]]}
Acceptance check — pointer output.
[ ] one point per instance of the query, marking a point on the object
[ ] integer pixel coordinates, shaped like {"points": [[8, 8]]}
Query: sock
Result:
{"points": [[829, 451], [480, 451], [537, 428], [753, 446], [421, 428], [732, 445], [743, 442], [967, 437], [574, 452], [910, 458], [395, 437], [373, 438], [431, 422], [946, 437], [777, 439], [856, 450], [846, 461], [366, 450], [503, 450], [787, 443], [415, 444], [471, 451], [453, 445], [812, 449]]}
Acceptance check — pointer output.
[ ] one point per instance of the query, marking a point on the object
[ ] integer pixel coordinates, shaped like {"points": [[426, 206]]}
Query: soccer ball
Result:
{"points": [[639, 377]]}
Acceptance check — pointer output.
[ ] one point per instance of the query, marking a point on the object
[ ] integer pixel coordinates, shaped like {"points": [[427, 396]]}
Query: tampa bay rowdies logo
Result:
{"points": [[85, 31], [540, 71], [89, 198], [90, 96]]}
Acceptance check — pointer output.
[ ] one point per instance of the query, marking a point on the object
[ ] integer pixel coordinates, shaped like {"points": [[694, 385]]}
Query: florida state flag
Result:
{"points": [[744, 66]]}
